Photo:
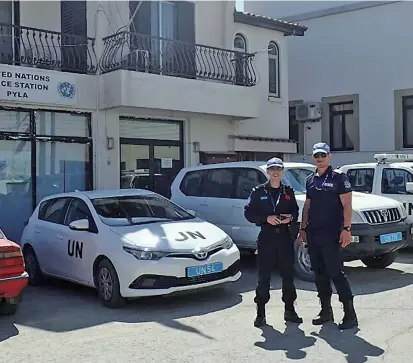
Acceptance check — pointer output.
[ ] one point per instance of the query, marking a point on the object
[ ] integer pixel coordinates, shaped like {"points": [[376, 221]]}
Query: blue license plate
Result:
{"points": [[201, 270], [391, 237]]}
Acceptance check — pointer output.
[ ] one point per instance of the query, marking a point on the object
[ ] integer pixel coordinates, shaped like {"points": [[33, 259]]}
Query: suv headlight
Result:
{"points": [[145, 253], [226, 243]]}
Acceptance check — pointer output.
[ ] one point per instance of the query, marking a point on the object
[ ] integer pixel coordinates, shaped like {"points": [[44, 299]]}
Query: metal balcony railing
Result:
{"points": [[38, 48], [143, 53]]}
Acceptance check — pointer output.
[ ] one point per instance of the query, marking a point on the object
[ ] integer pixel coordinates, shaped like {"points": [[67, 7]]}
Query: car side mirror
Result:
{"points": [[79, 225], [409, 187]]}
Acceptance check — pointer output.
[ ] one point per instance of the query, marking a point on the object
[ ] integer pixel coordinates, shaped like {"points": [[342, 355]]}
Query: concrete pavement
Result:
{"points": [[61, 322]]}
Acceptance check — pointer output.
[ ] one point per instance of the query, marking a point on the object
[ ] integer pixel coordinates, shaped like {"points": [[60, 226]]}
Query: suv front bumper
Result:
{"points": [[369, 240]]}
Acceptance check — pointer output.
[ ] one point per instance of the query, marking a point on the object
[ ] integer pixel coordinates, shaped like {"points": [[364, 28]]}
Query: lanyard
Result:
{"points": [[274, 204]]}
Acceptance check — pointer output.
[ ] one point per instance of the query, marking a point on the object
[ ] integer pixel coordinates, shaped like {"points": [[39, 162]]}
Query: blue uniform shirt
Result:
{"points": [[326, 209]]}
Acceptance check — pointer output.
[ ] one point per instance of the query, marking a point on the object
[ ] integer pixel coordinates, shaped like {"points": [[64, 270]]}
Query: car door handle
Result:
{"points": [[204, 204], [236, 206], [36, 231], [59, 236]]}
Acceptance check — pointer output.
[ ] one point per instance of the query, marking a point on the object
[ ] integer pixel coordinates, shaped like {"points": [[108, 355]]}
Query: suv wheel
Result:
{"points": [[32, 266], [381, 261], [302, 263], [108, 285]]}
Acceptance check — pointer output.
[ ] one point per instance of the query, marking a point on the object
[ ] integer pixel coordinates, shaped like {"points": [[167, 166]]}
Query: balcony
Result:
{"points": [[143, 53], [160, 73], [44, 49]]}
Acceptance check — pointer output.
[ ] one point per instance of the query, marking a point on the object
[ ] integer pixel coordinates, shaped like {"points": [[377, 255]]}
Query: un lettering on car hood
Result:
{"points": [[172, 235]]}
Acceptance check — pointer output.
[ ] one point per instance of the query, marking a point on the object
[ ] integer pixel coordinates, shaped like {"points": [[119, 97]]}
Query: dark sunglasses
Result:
{"points": [[320, 155], [275, 168]]}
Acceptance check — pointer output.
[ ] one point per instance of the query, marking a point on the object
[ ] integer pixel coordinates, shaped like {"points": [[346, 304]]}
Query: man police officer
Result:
{"points": [[325, 227], [273, 207]]}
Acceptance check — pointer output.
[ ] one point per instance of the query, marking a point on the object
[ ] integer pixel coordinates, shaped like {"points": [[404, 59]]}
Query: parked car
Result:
{"points": [[127, 243], [391, 176], [13, 277], [219, 193]]}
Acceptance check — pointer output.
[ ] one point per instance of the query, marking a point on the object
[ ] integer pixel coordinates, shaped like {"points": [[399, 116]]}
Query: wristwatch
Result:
{"points": [[348, 229]]}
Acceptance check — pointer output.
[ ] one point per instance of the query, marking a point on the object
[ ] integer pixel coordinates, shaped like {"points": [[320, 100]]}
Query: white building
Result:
{"points": [[95, 90], [357, 60]]}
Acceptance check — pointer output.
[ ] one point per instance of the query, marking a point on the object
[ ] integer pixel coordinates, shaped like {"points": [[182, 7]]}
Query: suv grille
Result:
{"points": [[380, 216]]}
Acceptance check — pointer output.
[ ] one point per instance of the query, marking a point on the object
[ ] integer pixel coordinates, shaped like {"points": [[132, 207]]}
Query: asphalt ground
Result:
{"points": [[62, 322]]}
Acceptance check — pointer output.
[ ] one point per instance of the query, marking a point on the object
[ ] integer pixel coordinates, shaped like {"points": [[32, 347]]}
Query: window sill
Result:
{"points": [[344, 151], [273, 98]]}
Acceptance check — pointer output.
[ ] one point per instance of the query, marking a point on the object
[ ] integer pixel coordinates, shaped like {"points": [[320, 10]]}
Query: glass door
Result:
{"points": [[15, 186], [135, 167], [167, 164], [150, 167], [61, 167]]}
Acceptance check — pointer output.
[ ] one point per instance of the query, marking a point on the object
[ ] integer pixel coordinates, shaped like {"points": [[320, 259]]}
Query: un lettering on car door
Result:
{"points": [[75, 249]]}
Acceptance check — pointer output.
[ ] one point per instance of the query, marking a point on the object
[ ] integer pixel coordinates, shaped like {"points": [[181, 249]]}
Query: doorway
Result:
{"points": [[150, 163]]}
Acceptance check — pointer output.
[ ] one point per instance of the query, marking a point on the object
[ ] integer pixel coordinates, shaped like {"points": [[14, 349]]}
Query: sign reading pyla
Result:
{"points": [[24, 84]]}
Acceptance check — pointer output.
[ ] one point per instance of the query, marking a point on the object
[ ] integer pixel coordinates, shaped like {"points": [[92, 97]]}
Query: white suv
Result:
{"points": [[219, 192]]}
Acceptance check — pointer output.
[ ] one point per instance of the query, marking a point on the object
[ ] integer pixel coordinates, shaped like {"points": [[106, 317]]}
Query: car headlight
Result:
{"points": [[145, 253], [227, 243]]}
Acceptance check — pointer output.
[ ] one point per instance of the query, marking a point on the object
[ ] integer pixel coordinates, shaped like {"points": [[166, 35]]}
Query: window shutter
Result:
{"points": [[73, 14], [73, 37], [186, 21], [142, 22]]}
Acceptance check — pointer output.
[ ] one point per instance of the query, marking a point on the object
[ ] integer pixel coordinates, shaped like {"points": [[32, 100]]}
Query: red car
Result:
{"points": [[13, 277]]}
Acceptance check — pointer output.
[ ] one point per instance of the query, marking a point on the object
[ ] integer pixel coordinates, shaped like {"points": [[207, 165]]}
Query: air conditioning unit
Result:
{"points": [[308, 111]]}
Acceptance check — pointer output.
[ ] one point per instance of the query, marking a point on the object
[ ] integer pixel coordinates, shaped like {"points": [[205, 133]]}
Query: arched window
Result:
{"points": [[274, 69], [241, 61], [240, 44]]}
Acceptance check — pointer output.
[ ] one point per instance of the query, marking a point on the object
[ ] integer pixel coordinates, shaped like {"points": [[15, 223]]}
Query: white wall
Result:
{"points": [[363, 52], [273, 119], [282, 9]]}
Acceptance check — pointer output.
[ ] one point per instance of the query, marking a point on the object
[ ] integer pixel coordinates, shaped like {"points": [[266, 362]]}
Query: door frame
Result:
{"points": [[152, 143]]}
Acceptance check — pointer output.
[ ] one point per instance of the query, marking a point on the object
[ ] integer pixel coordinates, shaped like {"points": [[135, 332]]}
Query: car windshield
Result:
{"points": [[138, 209], [296, 178]]}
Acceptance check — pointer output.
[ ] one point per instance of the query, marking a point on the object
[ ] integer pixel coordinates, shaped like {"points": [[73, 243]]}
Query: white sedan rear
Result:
{"points": [[127, 243]]}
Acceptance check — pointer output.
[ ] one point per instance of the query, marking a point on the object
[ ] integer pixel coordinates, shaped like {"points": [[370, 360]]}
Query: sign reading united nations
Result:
{"points": [[21, 84]]}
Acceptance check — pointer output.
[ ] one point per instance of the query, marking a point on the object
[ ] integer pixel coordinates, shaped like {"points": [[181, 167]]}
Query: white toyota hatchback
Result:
{"points": [[127, 243]]}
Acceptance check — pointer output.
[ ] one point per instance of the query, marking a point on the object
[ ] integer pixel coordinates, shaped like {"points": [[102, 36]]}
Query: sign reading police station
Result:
{"points": [[21, 84]]}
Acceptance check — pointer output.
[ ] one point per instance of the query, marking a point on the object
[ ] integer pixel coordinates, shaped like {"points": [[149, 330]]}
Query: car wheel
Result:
{"points": [[8, 307], [32, 267], [302, 263], [108, 285], [381, 261]]}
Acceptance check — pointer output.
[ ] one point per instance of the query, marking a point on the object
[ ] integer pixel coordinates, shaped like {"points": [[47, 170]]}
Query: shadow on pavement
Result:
{"points": [[292, 341], [60, 306], [364, 280], [7, 330], [355, 348]]}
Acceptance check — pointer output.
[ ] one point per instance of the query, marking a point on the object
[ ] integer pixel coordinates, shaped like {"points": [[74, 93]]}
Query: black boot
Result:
{"points": [[326, 313], [350, 318], [291, 315], [260, 319]]}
